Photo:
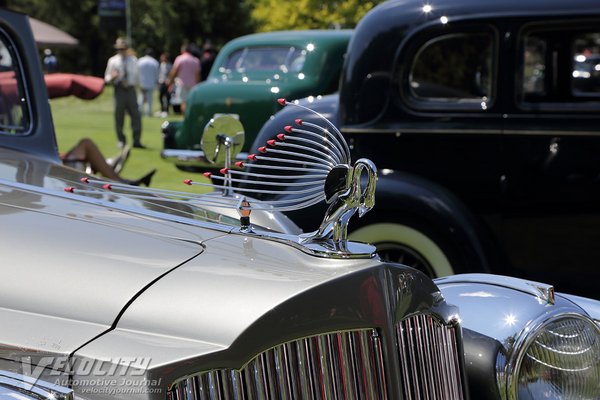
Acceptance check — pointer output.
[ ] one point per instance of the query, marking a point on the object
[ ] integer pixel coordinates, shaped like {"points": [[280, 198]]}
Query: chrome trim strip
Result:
{"points": [[34, 388], [400, 131], [117, 206], [353, 249], [542, 291], [550, 133], [469, 131], [193, 158]]}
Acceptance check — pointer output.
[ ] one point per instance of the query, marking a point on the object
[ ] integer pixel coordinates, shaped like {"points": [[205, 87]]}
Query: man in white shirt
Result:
{"points": [[148, 68], [122, 72]]}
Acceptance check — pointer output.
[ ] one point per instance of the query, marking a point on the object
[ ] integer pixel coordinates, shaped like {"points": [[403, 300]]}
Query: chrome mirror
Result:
{"points": [[222, 140]]}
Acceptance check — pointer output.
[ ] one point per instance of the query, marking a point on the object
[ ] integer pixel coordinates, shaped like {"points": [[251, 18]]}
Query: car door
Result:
{"points": [[25, 118], [551, 211], [443, 123]]}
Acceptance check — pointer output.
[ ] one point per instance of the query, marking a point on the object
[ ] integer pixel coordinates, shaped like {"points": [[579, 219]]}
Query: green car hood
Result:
{"points": [[254, 102]]}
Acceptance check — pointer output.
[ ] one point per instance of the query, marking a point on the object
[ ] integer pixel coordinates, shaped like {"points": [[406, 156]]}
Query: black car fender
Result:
{"points": [[425, 215], [410, 211], [327, 106]]}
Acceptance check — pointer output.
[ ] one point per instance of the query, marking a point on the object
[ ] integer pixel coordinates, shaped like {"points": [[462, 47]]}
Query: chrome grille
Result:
{"points": [[429, 359], [341, 365]]}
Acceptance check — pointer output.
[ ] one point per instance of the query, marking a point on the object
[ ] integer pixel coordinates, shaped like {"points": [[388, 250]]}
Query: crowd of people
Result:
{"points": [[128, 74], [172, 82]]}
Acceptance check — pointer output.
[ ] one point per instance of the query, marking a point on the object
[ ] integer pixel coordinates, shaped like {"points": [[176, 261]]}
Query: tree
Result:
{"points": [[271, 15], [77, 17], [164, 25], [157, 24]]}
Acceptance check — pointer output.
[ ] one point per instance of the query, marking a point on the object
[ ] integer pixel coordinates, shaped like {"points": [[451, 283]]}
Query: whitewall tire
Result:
{"points": [[407, 238]]}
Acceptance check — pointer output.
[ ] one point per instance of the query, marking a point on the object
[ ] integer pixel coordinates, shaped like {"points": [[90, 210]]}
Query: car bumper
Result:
{"points": [[193, 158]]}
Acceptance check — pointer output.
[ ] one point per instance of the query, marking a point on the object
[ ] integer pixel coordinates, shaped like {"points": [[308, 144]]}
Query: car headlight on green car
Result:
{"points": [[560, 360]]}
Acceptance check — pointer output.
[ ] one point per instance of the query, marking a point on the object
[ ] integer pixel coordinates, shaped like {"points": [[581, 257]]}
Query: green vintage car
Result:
{"points": [[249, 74]]}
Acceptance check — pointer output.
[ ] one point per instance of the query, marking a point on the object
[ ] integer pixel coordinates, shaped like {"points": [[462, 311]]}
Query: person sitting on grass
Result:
{"points": [[86, 152]]}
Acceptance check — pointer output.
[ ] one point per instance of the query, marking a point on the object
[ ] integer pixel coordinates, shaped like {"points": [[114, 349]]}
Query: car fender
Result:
{"points": [[404, 202], [327, 106], [495, 342], [410, 202]]}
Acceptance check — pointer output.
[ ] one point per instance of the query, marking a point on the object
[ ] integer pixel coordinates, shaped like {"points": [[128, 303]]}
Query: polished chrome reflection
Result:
{"points": [[17, 386], [341, 365], [561, 360], [429, 359], [549, 347], [543, 291]]}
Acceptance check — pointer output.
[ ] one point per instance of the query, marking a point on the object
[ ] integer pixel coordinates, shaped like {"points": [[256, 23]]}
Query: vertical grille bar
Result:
{"points": [[429, 359], [304, 369], [341, 365], [346, 363]]}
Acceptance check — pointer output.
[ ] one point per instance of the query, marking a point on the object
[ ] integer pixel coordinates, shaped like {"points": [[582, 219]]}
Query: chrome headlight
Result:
{"points": [[543, 346], [560, 360]]}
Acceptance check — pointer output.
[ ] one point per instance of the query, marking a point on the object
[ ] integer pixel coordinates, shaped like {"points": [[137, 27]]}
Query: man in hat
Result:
{"points": [[122, 73]]}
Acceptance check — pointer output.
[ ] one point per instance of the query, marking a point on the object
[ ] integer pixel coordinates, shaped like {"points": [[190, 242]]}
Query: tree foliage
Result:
{"points": [[272, 15], [158, 24], [163, 25]]}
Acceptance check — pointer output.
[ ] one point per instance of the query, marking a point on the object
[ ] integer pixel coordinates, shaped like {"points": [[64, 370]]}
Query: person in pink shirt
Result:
{"points": [[185, 72]]}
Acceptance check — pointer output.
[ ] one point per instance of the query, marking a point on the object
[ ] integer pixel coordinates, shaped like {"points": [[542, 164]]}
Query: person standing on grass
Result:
{"points": [[163, 87], [186, 69], [148, 68], [50, 62], [122, 73], [208, 58]]}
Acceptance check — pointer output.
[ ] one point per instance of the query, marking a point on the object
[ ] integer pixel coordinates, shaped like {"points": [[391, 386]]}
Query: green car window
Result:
{"points": [[271, 58]]}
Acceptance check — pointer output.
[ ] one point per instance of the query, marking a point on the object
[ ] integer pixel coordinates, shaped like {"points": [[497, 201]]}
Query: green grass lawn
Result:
{"points": [[75, 119]]}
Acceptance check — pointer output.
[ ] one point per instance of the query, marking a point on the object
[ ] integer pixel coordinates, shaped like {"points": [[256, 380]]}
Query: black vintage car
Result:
{"points": [[483, 117]]}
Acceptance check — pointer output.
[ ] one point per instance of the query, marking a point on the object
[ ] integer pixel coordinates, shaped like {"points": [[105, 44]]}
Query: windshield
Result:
{"points": [[268, 58]]}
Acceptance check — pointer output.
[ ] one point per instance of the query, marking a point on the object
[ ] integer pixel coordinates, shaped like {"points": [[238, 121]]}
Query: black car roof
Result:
{"points": [[381, 33]]}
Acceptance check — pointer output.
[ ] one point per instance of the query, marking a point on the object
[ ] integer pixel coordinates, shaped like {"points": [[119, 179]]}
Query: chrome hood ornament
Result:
{"points": [[307, 164], [303, 166]]}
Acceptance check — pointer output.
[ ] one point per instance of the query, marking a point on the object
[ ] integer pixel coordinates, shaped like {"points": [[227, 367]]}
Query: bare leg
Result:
{"points": [[88, 151]]}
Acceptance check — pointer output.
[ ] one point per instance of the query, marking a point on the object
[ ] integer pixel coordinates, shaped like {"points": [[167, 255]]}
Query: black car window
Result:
{"points": [[534, 66], [455, 69], [560, 67], [586, 64], [14, 119]]}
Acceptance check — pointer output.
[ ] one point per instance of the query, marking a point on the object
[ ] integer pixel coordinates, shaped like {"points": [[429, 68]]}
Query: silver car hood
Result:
{"points": [[105, 281], [207, 304], [88, 262]]}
